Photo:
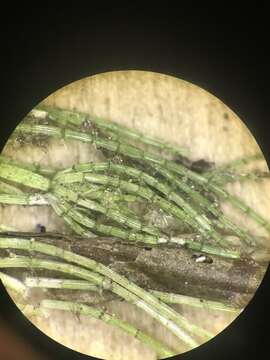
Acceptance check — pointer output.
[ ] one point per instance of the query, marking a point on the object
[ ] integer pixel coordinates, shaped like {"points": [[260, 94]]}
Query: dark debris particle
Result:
{"points": [[208, 260], [226, 116], [40, 228], [148, 248], [201, 165], [179, 159], [202, 258]]}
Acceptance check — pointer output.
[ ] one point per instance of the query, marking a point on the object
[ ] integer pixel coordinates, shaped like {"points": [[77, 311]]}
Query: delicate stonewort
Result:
{"points": [[116, 198]]}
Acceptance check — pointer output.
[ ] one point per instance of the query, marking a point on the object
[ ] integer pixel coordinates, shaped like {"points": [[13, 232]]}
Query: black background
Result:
{"points": [[223, 50]]}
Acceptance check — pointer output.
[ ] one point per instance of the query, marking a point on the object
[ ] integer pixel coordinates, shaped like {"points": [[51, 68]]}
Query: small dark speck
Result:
{"points": [[202, 258], [225, 128], [40, 228], [147, 248], [201, 165], [226, 116]]}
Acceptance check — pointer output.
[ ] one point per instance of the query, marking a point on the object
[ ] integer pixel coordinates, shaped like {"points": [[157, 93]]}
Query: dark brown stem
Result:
{"points": [[165, 268]]}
